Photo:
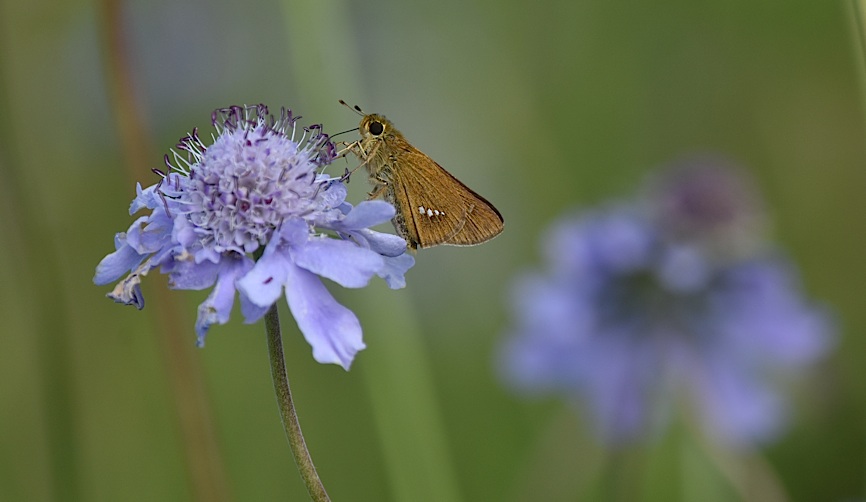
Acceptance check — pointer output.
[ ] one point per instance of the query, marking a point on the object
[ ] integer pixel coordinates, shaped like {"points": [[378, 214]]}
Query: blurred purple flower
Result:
{"points": [[248, 214], [630, 316]]}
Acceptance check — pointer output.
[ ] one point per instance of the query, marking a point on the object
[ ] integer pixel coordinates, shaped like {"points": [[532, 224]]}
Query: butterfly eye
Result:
{"points": [[376, 128]]}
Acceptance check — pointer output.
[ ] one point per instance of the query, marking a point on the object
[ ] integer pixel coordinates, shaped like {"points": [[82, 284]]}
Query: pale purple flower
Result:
{"points": [[250, 213], [629, 318]]}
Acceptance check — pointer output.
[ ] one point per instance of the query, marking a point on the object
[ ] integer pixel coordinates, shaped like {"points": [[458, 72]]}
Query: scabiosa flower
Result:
{"points": [[630, 317], [251, 213]]}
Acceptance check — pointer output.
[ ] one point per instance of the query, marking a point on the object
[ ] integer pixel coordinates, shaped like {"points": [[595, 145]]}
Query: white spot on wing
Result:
{"points": [[430, 212]]}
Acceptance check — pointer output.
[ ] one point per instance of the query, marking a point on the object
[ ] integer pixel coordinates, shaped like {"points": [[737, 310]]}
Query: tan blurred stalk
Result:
{"points": [[205, 467]]}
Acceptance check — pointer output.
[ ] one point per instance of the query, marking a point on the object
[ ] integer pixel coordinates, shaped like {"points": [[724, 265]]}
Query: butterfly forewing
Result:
{"points": [[438, 208]]}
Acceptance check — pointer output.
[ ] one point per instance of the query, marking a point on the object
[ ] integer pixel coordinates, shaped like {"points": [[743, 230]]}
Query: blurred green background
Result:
{"points": [[539, 106]]}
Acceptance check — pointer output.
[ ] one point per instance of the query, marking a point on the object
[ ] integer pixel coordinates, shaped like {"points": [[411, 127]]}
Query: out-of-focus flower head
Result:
{"points": [[251, 213], [635, 312]]}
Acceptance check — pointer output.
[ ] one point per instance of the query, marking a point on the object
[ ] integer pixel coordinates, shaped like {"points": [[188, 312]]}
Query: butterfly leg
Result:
{"points": [[350, 147], [378, 189]]}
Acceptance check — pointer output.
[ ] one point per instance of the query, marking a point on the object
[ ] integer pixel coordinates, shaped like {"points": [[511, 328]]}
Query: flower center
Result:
{"points": [[641, 299], [246, 184]]}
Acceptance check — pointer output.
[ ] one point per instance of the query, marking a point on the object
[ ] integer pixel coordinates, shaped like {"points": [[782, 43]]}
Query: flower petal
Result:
{"points": [[114, 265], [330, 328], [395, 270], [344, 262], [622, 241], [144, 199], [263, 284], [739, 406], [218, 305], [293, 232], [184, 233], [382, 243], [128, 292], [185, 273], [683, 268], [332, 193], [250, 310], [621, 378], [368, 213]]}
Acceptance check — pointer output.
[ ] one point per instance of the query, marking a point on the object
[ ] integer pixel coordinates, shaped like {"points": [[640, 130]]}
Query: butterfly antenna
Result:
{"points": [[356, 108]]}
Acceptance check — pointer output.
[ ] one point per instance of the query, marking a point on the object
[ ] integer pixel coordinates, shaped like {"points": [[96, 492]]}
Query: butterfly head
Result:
{"points": [[374, 126]]}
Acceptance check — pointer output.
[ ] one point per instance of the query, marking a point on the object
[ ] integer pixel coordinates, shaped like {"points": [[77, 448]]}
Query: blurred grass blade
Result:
{"points": [[394, 365], [402, 395]]}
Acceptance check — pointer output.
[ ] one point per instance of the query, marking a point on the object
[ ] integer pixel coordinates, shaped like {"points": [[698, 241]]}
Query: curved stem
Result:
{"points": [[287, 409]]}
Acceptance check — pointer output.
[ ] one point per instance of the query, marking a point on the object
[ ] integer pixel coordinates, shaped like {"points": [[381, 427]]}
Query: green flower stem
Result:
{"points": [[287, 409]]}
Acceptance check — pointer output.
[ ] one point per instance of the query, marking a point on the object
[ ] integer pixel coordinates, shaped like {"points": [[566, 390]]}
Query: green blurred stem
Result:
{"points": [[287, 409]]}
